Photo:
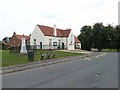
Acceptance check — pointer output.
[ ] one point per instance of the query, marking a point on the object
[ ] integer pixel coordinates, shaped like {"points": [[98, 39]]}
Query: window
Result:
{"points": [[54, 43], [50, 41], [71, 39], [59, 42], [34, 41]]}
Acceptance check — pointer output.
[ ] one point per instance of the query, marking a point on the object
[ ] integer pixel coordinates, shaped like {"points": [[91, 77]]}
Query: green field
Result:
{"points": [[9, 59]]}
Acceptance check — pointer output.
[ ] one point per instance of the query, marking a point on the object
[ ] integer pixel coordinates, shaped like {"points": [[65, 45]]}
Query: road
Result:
{"points": [[94, 72]]}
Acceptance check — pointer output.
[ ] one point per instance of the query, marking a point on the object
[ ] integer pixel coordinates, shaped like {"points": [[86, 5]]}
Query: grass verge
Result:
{"points": [[9, 59], [109, 50]]}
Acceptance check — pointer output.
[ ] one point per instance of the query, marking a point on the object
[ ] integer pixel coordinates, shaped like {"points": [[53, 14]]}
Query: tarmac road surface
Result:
{"points": [[95, 72]]}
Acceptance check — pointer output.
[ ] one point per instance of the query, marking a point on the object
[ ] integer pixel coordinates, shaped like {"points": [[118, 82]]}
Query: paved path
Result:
{"points": [[100, 72]]}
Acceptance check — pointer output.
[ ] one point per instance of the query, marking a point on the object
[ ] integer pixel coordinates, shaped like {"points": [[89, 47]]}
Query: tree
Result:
{"points": [[117, 37], [86, 37], [100, 37], [98, 34], [108, 35], [4, 47]]}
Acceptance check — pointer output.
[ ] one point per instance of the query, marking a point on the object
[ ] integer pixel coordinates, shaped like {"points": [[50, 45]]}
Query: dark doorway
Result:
{"points": [[40, 45], [62, 45], [75, 46]]}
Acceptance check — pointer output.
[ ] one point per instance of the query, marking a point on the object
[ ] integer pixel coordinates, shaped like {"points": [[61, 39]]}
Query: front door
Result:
{"points": [[75, 46], [62, 45], [40, 45]]}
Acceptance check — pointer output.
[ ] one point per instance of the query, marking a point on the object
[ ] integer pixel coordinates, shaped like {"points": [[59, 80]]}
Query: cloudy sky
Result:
{"points": [[22, 16]]}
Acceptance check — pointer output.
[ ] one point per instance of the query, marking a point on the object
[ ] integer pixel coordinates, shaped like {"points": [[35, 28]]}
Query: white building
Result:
{"points": [[45, 37]]}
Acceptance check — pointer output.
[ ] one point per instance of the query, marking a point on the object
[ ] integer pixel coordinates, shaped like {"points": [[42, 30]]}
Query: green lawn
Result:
{"points": [[109, 50], [9, 59]]}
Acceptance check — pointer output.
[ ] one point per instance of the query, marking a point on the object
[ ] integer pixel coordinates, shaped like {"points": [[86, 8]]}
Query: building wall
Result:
{"points": [[6, 40], [14, 41], [54, 41], [47, 41], [71, 41], [38, 35], [77, 45]]}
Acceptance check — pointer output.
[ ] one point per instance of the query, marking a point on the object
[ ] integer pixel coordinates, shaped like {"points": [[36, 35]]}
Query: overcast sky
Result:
{"points": [[22, 16]]}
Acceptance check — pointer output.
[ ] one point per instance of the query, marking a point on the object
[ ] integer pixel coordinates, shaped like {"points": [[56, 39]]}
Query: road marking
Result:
{"points": [[96, 75], [100, 55], [88, 59], [97, 56]]}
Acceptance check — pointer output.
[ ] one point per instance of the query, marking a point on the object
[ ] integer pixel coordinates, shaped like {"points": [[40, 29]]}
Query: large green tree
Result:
{"points": [[109, 32], [86, 37], [107, 36], [117, 37], [100, 37]]}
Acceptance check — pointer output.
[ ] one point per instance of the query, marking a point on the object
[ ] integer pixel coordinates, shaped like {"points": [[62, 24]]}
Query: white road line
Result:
{"points": [[88, 59]]}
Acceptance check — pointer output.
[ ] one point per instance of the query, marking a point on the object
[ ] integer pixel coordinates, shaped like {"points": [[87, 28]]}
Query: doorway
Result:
{"points": [[62, 45], [40, 45]]}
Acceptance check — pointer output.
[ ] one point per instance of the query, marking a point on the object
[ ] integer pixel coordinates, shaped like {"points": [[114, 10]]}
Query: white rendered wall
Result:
{"points": [[71, 46], [80, 45], [38, 35], [54, 39]]}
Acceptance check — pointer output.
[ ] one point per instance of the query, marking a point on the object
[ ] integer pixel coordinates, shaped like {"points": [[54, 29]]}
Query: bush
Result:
{"points": [[4, 47]]}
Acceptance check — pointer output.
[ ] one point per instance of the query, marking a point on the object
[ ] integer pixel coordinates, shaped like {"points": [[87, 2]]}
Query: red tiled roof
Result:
{"points": [[48, 31], [76, 40], [65, 33], [20, 37]]}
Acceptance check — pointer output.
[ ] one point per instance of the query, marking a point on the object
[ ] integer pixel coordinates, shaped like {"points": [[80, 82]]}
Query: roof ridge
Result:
{"points": [[44, 26], [52, 27], [48, 31], [20, 35]]}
